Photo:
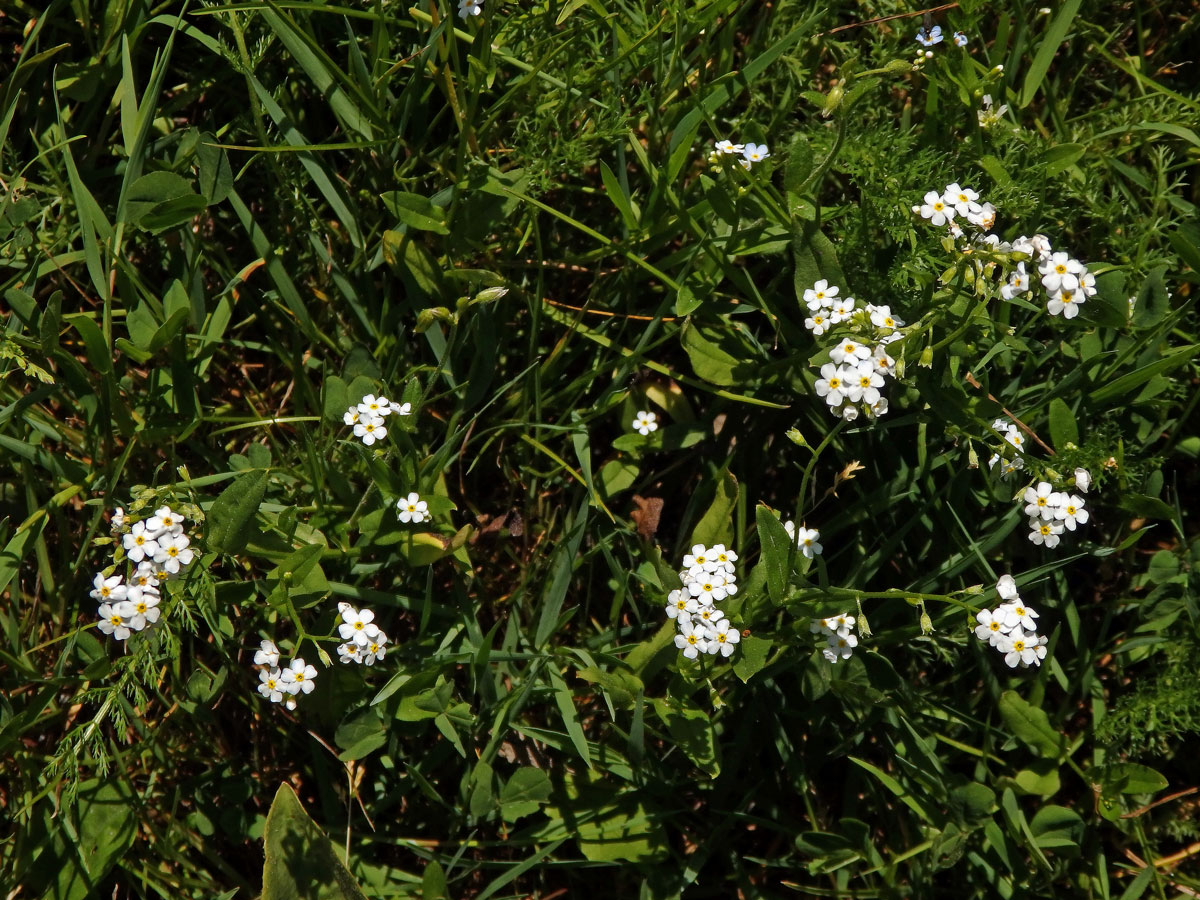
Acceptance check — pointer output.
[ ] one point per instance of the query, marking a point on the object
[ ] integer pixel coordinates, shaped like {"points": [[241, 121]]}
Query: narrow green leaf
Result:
{"points": [[776, 546], [570, 716], [415, 211], [1055, 35]]}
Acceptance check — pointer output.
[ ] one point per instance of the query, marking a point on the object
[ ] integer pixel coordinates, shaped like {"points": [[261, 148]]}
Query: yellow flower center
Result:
{"points": [[691, 638], [271, 683], [116, 620], [820, 295], [1041, 501], [849, 348], [835, 382], [172, 551], [1045, 530], [139, 539], [995, 626], [721, 637], [104, 591], [299, 676], [889, 322], [358, 626], [865, 381], [1070, 510], [963, 198], [938, 206], [141, 607], [1018, 646]]}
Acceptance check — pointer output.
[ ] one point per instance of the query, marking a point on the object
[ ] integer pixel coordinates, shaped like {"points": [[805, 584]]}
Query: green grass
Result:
{"points": [[221, 224]]}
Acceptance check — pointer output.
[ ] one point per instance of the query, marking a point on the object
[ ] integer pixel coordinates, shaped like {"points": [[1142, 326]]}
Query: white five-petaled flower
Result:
{"points": [[1006, 587], [881, 317], [400, 409], [271, 684], [108, 590], [833, 383], [721, 637], [469, 8], [865, 384], [1060, 272], [112, 622], [144, 576], [843, 309], [1042, 500], [1017, 614], [817, 324], [935, 209], [351, 416], [699, 560], [883, 363], [376, 648], [1070, 511], [708, 588], [1066, 302], [840, 646], [164, 521], [806, 539], [691, 640], [139, 543], [1019, 647], [1018, 283], [985, 218], [412, 508], [681, 605], [267, 654], [821, 295], [173, 551], [849, 352], [645, 422], [140, 608], [299, 677], [754, 153], [964, 200], [370, 430], [723, 559], [375, 407], [1083, 479], [358, 626], [728, 147], [934, 36], [350, 652], [842, 623], [991, 627], [1045, 532]]}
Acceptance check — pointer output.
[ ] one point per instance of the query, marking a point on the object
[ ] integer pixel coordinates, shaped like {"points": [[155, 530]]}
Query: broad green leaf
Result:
{"points": [[230, 520], [617, 475], [710, 360], [716, 525], [1041, 778], [895, 787], [525, 792], [416, 211], [433, 882], [301, 863], [1152, 303], [1063, 429], [692, 732], [1031, 725], [667, 437], [621, 685], [98, 353], [1058, 159], [154, 190], [1057, 828], [1131, 778], [776, 546], [750, 656]]}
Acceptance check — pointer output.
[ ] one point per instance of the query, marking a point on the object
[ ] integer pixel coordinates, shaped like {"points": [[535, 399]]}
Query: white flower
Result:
{"points": [[375, 649], [165, 522], [1045, 532], [1006, 587], [1071, 512], [960, 39], [139, 543], [298, 677], [469, 8], [691, 640], [849, 412], [271, 684], [1041, 501], [1009, 467], [1014, 437], [370, 430], [1016, 613], [1083, 479], [707, 615], [988, 116], [865, 384], [1018, 283], [985, 218], [729, 147], [698, 560], [881, 317], [118, 518], [108, 590], [400, 409], [681, 606], [991, 627], [841, 646], [933, 37], [112, 622], [721, 638], [140, 609], [842, 310], [724, 559], [806, 540], [841, 624], [964, 200], [357, 625], [412, 509], [708, 589], [351, 416], [1018, 647], [883, 363], [878, 408], [817, 324], [1060, 272], [349, 652], [173, 551], [373, 407], [144, 576], [936, 210], [833, 383], [755, 153], [849, 352], [267, 654], [1066, 302], [820, 295], [645, 422], [1087, 283]]}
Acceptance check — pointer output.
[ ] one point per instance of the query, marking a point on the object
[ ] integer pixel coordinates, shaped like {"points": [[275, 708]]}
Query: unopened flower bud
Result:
{"points": [[926, 360]]}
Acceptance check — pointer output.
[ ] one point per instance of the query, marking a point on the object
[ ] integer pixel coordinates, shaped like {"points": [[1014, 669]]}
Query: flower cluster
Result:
{"points": [[1011, 628], [1067, 281], [1014, 440], [367, 417], [941, 208], [159, 549], [645, 422], [859, 362], [837, 632], [1051, 511], [364, 642], [749, 153], [708, 577], [934, 36], [283, 685]]}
